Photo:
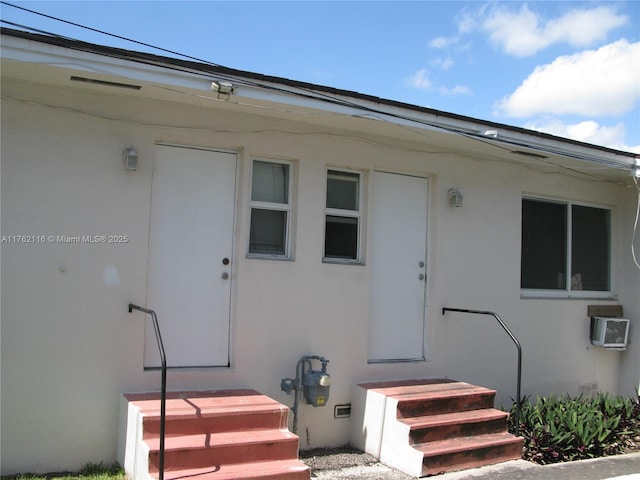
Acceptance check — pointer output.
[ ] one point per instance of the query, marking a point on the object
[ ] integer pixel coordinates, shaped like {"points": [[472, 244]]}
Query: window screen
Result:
{"points": [[270, 182], [268, 231], [270, 208], [343, 190], [342, 216], [562, 252], [341, 237], [544, 240], [590, 250]]}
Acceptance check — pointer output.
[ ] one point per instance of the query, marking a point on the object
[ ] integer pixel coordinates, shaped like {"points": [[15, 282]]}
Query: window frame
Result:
{"points": [[288, 208], [567, 292], [337, 212]]}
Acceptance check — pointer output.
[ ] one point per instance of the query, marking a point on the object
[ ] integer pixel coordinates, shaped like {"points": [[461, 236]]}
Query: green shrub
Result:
{"points": [[562, 428]]}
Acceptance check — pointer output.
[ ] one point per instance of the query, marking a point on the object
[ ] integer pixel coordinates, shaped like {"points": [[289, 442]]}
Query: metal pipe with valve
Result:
{"points": [[312, 385]]}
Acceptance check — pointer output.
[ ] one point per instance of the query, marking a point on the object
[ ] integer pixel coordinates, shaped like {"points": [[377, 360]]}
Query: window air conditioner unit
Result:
{"points": [[611, 333]]}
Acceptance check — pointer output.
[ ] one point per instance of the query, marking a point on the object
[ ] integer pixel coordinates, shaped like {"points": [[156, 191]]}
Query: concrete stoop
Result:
{"points": [[430, 426], [214, 435]]}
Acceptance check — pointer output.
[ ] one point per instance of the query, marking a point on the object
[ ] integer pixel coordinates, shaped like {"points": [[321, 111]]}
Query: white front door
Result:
{"points": [[398, 267], [190, 252]]}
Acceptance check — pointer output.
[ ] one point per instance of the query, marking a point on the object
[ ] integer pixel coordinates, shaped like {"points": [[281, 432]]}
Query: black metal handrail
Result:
{"points": [[163, 385], [515, 340]]}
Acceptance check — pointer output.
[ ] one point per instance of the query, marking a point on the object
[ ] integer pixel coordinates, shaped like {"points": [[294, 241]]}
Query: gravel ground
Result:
{"points": [[347, 463]]}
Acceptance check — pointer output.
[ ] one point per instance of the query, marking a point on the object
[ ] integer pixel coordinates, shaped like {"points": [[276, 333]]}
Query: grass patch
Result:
{"points": [[90, 471], [561, 428]]}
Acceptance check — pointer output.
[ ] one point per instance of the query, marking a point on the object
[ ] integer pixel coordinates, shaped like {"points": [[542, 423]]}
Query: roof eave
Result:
{"points": [[36, 47]]}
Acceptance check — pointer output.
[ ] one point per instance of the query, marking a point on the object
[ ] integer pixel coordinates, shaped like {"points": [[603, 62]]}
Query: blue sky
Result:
{"points": [[568, 68]]}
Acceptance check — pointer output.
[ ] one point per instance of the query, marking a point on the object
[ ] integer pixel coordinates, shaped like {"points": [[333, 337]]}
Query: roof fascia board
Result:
{"points": [[331, 104], [292, 94], [132, 69], [21, 50], [485, 132], [601, 157]]}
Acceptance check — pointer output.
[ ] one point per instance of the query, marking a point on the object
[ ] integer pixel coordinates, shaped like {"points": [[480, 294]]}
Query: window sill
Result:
{"points": [[338, 261], [257, 256], [549, 295]]}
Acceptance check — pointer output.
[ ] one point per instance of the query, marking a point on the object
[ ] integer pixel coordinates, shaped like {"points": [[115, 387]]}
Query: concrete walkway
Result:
{"points": [[617, 467], [620, 467]]}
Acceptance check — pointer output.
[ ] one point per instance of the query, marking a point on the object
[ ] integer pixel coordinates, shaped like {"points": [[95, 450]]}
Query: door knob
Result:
{"points": [[225, 275], [421, 276], [225, 261]]}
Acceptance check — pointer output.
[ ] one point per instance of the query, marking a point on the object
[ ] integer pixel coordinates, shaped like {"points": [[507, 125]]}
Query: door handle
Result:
{"points": [[225, 275], [421, 277]]}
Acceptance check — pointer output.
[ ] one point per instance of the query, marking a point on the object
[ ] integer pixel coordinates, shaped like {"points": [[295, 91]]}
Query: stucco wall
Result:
{"points": [[629, 382], [69, 347]]}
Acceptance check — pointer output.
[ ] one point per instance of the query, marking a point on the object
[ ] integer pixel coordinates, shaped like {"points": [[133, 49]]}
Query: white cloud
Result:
{"points": [[443, 63], [517, 33], [582, 28], [457, 90], [420, 79], [524, 32], [591, 83], [441, 42], [468, 19], [587, 131]]}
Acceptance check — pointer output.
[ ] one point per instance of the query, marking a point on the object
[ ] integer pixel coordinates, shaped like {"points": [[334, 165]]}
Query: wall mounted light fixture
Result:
{"points": [[223, 89], [130, 158], [455, 197]]}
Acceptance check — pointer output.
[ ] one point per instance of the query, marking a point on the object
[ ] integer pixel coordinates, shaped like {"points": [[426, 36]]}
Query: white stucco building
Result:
{"points": [[278, 220]]}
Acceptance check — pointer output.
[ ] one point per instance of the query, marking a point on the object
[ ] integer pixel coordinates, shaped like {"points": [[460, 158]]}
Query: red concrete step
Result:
{"points": [[433, 428], [469, 452], [272, 470], [393, 387], [148, 401], [214, 435], [216, 419], [215, 449], [422, 403], [210, 412]]}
